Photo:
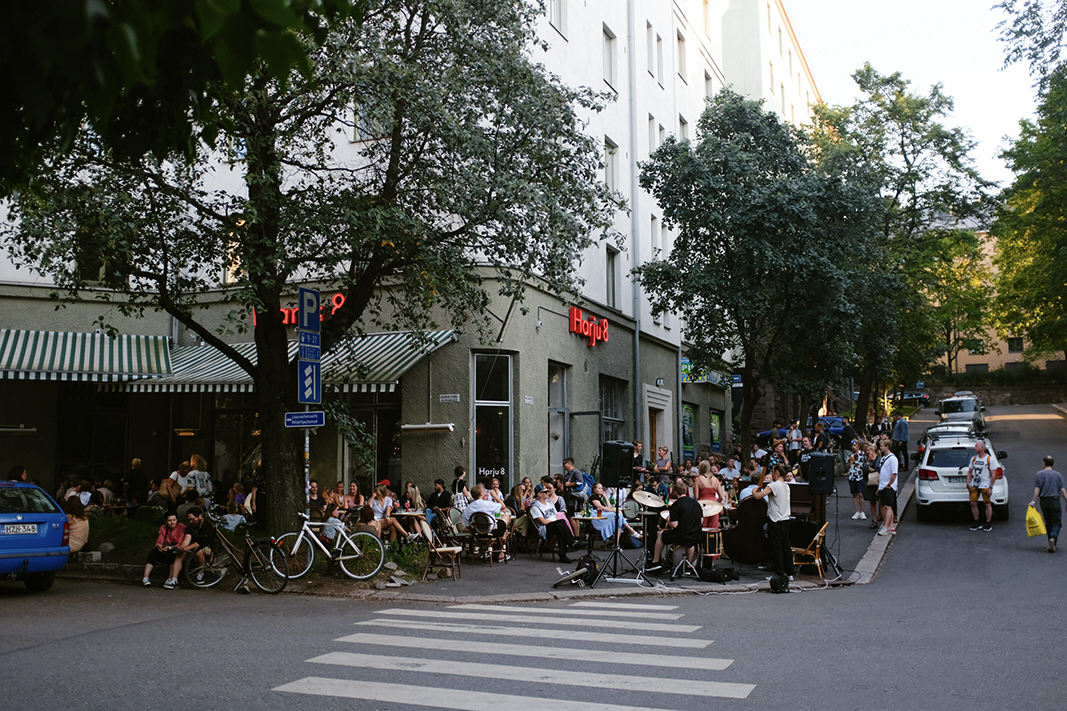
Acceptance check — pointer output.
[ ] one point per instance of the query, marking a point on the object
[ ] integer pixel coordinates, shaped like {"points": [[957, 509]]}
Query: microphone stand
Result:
{"points": [[616, 558]]}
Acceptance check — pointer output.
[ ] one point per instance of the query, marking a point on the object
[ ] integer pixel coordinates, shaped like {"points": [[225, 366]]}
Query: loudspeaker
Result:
{"points": [[617, 464], [821, 473]]}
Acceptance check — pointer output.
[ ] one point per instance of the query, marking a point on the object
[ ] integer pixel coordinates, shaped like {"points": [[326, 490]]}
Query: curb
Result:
{"points": [[871, 561], [1060, 410]]}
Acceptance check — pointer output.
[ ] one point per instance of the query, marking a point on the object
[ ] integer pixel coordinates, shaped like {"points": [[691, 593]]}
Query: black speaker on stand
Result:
{"points": [[616, 464], [821, 473]]}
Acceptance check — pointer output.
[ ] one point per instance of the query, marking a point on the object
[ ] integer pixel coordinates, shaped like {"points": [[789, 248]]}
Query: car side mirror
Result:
{"points": [[937, 412], [981, 409], [915, 456], [1002, 455]]}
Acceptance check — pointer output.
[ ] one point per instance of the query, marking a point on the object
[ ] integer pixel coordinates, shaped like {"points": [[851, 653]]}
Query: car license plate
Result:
{"points": [[957, 479], [13, 528]]}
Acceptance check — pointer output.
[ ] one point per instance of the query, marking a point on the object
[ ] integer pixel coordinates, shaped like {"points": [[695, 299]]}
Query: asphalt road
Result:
{"points": [[954, 620]]}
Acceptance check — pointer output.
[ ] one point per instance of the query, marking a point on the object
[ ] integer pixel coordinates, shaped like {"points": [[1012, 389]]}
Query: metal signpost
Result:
{"points": [[309, 373]]}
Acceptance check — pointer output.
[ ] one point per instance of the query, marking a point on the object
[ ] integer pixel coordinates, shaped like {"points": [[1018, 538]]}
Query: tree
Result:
{"points": [[471, 172], [960, 290], [1034, 34], [145, 75], [1031, 250], [760, 228], [927, 180]]}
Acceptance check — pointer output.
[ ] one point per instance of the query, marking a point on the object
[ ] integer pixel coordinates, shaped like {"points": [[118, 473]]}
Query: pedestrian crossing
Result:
{"points": [[586, 656]]}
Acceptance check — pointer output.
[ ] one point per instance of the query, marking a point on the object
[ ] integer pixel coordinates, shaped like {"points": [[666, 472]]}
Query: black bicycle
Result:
{"points": [[262, 560]]}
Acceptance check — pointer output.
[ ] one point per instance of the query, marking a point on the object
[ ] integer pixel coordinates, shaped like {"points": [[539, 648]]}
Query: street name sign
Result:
{"points": [[305, 419]]}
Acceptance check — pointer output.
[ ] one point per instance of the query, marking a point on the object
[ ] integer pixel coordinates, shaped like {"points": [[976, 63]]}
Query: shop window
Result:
{"points": [[689, 420], [492, 417], [612, 410]]}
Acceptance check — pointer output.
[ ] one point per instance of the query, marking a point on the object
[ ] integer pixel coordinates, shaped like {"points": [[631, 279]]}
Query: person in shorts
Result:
{"points": [[857, 478], [887, 488], [980, 483]]}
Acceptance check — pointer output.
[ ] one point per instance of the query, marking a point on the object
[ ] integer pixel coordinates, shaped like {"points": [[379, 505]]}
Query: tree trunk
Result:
{"points": [[863, 403], [750, 395]]}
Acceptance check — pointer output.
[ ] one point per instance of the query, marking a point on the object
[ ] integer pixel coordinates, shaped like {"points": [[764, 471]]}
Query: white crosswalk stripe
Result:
{"points": [[538, 639]]}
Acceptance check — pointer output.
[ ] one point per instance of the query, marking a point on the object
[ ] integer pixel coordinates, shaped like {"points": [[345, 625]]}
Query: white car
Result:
{"points": [[962, 408], [941, 477]]}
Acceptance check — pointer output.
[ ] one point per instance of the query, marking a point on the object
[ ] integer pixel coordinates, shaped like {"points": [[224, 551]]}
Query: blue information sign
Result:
{"points": [[308, 315], [305, 419], [310, 338], [308, 353], [309, 382]]}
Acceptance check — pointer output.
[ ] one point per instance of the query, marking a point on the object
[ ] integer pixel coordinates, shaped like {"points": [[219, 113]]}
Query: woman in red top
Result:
{"points": [[707, 487], [171, 534]]}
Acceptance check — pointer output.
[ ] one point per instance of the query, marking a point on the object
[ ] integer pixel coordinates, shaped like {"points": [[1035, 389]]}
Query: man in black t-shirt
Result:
{"points": [[199, 537], [684, 526], [440, 499], [315, 499]]}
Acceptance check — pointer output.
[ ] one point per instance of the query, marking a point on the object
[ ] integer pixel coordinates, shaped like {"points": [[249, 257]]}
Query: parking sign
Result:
{"points": [[309, 317]]}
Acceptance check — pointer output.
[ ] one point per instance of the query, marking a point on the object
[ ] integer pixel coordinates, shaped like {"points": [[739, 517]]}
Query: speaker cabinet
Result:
{"points": [[821, 473], [617, 464]]}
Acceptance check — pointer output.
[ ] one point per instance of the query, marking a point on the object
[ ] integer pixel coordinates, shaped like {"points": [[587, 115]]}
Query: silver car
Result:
{"points": [[962, 408]]}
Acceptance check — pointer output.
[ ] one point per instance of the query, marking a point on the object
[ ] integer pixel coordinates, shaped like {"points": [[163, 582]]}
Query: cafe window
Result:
{"points": [[492, 417], [612, 410]]}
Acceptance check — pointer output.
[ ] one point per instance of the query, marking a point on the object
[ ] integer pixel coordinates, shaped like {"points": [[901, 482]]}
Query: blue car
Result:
{"points": [[34, 535], [832, 423]]}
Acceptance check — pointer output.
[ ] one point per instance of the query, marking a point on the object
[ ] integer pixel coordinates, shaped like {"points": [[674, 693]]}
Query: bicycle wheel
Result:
{"points": [[268, 566], [210, 572], [362, 555], [300, 551]]}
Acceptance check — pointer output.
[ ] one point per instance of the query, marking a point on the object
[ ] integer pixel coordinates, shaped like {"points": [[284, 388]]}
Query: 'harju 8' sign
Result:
{"points": [[592, 328]]}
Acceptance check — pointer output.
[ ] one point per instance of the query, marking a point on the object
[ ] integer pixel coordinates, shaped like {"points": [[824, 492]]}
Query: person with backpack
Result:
{"points": [[575, 492]]}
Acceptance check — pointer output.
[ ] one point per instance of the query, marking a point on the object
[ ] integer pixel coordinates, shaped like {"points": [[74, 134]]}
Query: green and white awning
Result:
{"points": [[56, 355], [370, 363]]}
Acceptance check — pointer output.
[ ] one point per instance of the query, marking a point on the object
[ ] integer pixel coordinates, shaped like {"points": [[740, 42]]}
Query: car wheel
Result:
{"points": [[922, 513], [39, 582], [1000, 513]]}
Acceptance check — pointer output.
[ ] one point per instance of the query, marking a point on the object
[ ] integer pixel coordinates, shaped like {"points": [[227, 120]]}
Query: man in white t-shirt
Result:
{"points": [[887, 488], [778, 512], [794, 436], [980, 483], [481, 502]]}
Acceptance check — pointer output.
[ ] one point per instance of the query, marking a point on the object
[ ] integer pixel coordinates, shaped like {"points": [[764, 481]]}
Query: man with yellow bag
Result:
{"points": [[1048, 487]]}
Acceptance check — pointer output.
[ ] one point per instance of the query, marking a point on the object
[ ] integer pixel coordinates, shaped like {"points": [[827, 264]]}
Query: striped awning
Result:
{"points": [[370, 363], [58, 355]]}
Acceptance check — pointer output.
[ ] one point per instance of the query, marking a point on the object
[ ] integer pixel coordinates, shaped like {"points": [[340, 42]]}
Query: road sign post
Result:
{"points": [[308, 371]]}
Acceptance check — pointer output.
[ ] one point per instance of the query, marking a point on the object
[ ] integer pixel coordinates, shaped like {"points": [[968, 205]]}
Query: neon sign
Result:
{"points": [[289, 315], [592, 328]]}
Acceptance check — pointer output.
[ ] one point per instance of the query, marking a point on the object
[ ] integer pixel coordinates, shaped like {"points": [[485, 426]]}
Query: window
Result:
{"points": [[609, 57], [781, 97], [707, 17], [770, 21], [772, 76], [652, 145], [681, 56], [779, 41], [974, 346], [659, 59], [612, 409], [654, 234], [557, 15], [709, 85], [372, 121], [650, 39], [683, 128], [662, 135], [792, 114], [492, 416], [790, 64], [559, 444], [610, 163], [1015, 345], [611, 278]]}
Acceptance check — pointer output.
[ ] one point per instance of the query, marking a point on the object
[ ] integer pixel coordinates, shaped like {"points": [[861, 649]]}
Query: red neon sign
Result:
{"points": [[592, 328], [289, 315]]}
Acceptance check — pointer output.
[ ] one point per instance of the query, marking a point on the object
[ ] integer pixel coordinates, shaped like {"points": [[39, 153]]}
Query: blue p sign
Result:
{"points": [[308, 315]]}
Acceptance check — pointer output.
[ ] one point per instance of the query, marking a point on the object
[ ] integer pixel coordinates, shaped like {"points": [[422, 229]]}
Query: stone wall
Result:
{"points": [[995, 395]]}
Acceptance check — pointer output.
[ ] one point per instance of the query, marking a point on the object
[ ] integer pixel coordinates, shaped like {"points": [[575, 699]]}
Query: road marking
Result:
{"points": [[597, 613], [522, 650], [436, 698], [624, 606], [514, 632], [484, 617], [615, 682]]}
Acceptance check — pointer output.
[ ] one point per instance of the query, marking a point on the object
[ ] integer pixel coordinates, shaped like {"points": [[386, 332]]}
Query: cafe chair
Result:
{"points": [[483, 540], [812, 555], [442, 556], [317, 513]]}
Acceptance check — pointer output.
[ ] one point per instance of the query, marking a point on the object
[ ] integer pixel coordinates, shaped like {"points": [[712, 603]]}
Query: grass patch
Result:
{"points": [[132, 539]]}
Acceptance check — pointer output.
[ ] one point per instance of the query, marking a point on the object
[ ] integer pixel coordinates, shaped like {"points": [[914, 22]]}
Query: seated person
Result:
{"points": [[189, 499], [683, 528], [199, 537], [381, 505], [333, 523], [315, 500], [546, 521], [233, 518], [481, 502], [495, 493], [95, 509], [79, 523], [516, 500], [606, 521], [439, 500], [165, 552]]}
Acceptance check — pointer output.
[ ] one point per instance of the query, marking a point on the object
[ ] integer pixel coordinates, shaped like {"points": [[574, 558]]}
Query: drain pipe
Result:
{"points": [[635, 222]]}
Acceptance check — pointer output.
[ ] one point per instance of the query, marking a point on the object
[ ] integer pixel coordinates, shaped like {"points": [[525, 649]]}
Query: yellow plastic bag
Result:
{"points": [[1035, 525]]}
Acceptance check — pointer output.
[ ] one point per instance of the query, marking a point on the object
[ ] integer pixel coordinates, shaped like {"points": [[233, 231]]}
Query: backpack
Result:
{"points": [[584, 491]]}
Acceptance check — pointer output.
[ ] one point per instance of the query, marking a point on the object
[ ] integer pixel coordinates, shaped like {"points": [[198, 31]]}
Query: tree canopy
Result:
{"points": [[1034, 34], [462, 161], [757, 264]]}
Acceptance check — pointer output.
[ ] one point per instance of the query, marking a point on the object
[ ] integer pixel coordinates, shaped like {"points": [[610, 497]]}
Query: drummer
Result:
{"points": [[684, 526]]}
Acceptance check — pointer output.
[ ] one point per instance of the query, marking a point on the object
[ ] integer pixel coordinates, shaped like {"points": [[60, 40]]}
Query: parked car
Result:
{"points": [[962, 408], [34, 535], [912, 398], [943, 429], [941, 477], [832, 424]]}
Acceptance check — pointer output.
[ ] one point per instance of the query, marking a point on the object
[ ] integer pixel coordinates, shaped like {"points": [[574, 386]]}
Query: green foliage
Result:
{"points": [[145, 75], [1034, 33], [359, 437], [132, 539], [1031, 251], [476, 167]]}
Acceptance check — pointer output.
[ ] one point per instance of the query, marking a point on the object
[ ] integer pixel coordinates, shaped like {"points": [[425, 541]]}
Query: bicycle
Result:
{"points": [[360, 555], [262, 560]]}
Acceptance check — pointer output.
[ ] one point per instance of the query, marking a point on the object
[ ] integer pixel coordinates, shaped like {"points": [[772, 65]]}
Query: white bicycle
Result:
{"points": [[360, 555]]}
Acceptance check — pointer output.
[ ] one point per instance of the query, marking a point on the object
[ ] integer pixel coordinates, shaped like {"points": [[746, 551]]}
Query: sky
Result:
{"points": [[951, 42]]}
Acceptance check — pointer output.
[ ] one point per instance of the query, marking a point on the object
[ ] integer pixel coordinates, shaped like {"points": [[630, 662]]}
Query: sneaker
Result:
{"points": [[863, 516], [883, 531], [171, 584], [148, 583], [200, 578], [412, 537], [654, 568], [988, 527], [1052, 545], [856, 516], [976, 527], [564, 559]]}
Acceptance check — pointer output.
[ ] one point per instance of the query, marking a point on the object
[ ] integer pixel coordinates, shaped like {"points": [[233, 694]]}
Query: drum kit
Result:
{"points": [[655, 515]]}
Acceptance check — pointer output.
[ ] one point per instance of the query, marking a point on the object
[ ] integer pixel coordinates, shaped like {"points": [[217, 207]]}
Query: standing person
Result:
{"points": [[170, 536], [202, 479], [857, 479], [461, 496], [848, 433], [887, 489], [663, 464], [778, 512], [901, 435], [980, 483], [1048, 488], [640, 467], [794, 437], [821, 439], [573, 482], [872, 469], [707, 487]]}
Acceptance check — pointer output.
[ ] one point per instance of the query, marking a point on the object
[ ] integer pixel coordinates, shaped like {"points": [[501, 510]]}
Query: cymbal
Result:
{"points": [[710, 508], [646, 499], [666, 515]]}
